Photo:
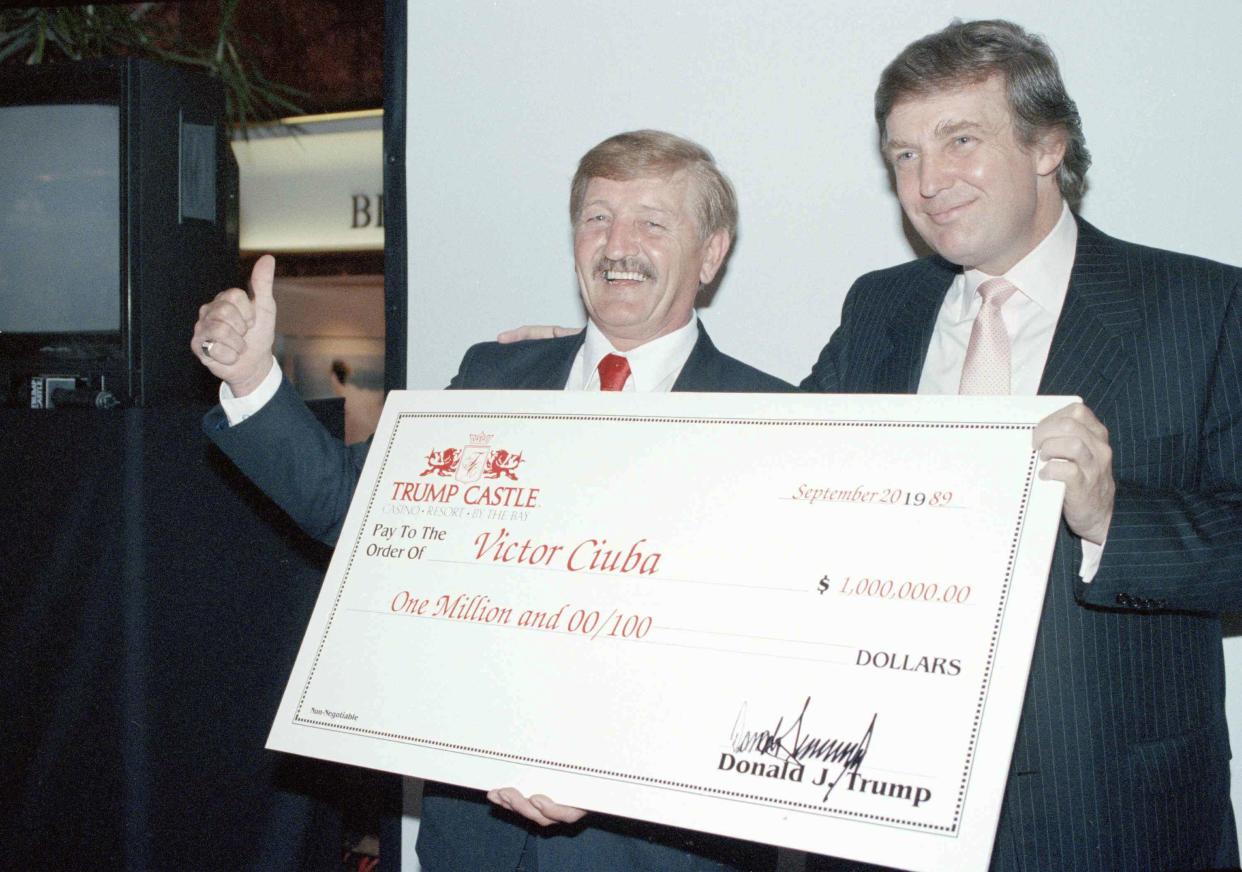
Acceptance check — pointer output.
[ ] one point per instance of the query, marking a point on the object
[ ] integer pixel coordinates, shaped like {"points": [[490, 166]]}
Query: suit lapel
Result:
{"points": [[910, 328], [1089, 347], [550, 370], [700, 370]]}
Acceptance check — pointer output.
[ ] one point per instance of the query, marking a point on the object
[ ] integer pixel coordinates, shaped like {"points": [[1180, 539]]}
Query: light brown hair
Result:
{"points": [[647, 153], [966, 53]]}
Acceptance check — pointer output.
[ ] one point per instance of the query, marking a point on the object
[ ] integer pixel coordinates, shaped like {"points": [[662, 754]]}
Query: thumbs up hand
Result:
{"points": [[235, 332]]}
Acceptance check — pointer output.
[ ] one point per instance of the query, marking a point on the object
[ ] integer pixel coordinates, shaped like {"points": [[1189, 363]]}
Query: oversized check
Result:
{"points": [[804, 620]]}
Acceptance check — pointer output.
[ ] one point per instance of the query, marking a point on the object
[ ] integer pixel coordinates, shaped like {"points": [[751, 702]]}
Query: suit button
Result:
{"points": [[1124, 599]]}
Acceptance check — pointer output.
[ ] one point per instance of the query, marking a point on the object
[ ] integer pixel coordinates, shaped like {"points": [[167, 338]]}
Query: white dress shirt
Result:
{"points": [[238, 409], [654, 367], [1030, 315], [1030, 318]]}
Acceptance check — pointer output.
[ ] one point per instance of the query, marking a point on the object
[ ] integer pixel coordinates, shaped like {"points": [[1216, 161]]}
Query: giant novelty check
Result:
{"points": [[803, 620]]}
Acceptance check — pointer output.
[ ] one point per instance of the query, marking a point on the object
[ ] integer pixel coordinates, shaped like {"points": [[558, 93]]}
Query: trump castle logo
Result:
{"points": [[474, 461], [476, 474]]}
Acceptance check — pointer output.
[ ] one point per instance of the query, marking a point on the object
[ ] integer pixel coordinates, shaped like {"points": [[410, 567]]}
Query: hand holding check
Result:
{"points": [[1075, 444]]}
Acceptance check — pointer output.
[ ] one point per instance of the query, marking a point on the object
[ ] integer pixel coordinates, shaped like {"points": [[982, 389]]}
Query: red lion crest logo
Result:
{"points": [[502, 463], [442, 462]]}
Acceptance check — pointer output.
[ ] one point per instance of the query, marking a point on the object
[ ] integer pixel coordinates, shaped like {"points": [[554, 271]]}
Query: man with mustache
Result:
{"points": [[653, 219]]}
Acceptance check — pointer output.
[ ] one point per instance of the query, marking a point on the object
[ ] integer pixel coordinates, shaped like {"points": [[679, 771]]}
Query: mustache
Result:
{"points": [[626, 264]]}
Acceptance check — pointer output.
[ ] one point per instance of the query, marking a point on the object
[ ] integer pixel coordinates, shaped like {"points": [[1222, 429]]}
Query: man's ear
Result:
{"points": [[714, 251], [1050, 151]]}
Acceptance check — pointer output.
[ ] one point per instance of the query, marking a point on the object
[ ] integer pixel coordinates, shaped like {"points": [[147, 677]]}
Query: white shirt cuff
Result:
{"points": [[1091, 554], [238, 409]]}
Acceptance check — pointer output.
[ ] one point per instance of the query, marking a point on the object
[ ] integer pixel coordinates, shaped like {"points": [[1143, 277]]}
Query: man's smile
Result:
{"points": [[947, 214], [613, 275]]}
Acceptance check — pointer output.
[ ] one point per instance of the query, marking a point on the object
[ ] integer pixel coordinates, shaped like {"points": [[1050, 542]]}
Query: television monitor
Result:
{"points": [[118, 218]]}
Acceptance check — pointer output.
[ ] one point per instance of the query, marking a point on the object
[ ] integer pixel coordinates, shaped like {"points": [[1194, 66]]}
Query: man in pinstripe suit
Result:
{"points": [[1122, 756]]}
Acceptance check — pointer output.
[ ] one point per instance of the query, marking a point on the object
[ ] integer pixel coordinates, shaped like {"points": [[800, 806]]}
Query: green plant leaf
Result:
{"points": [[95, 31]]}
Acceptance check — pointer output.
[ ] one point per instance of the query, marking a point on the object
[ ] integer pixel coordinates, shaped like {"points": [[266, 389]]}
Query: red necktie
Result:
{"points": [[613, 371]]}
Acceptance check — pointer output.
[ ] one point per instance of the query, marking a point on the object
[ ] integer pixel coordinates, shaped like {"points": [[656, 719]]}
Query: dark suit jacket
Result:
{"points": [[1122, 755], [312, 476]]}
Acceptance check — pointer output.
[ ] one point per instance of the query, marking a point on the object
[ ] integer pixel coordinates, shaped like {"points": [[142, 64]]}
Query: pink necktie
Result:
{"points": [[986, 370], [613, 371]]}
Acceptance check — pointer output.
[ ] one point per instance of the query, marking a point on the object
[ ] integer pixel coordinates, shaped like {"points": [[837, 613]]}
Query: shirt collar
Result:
{"points": [[1042, 276], [651, 363]]}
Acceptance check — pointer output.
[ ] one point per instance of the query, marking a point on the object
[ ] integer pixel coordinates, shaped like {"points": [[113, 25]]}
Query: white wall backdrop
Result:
{"points": [[504, 97]]}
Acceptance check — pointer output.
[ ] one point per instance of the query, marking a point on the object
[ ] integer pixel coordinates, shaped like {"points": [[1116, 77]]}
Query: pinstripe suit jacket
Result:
{"points": [[1121, 759]]}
